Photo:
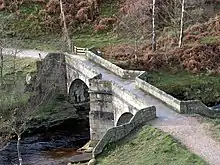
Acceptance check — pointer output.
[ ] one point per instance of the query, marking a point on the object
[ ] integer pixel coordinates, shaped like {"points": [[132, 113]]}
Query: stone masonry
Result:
{"points": [[110, 104], [101, 115]]}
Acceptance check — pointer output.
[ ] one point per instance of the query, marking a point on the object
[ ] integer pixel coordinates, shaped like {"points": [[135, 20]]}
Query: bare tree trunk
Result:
{"points": [[182, 24], [153, 28], [14, 68], [135, 50], [1, 66], [65, 30], [18, 149]]}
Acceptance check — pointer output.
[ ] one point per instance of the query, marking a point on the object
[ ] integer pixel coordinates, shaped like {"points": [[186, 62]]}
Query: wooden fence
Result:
{"points": [[80, 51]]}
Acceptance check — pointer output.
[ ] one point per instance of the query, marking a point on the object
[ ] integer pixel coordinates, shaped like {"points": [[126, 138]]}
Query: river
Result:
{"points": [[56, 146]]}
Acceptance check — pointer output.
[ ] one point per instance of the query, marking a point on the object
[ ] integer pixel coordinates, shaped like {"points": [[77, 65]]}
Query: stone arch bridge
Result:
{"points": [[120, 101], [83, 81]]}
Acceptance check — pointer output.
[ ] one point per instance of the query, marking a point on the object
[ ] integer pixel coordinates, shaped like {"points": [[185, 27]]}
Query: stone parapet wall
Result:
{"points": [[112, 67], [197, 107], [185, 107], [116, 133], [161, 95]]}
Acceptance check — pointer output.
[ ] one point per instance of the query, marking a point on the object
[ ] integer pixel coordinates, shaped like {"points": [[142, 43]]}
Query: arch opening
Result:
{"points": [[78, 92], [79, 97], [124, 118]]}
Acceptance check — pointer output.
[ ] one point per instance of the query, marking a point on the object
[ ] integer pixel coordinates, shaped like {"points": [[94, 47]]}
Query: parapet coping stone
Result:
{"points": [[123, 73]]}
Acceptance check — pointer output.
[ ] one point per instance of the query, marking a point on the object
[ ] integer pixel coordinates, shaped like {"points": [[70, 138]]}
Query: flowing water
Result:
{"points": [[56, 146]]}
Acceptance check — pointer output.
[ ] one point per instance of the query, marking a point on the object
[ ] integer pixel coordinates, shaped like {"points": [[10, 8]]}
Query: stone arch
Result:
{"points": [[78, 92], [124, 118]]}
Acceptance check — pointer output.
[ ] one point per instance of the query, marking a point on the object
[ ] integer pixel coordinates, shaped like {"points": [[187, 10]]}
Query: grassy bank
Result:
{"points": [[187, 86], [14, 72], [31, 32], [148, 146], [56, 43]]}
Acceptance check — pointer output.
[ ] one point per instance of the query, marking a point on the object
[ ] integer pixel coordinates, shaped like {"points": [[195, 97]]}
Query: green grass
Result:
{"points": [[109, 8], [29, 23], [22, 67], [98, 40], [209, 40], [55, 43], [148, 146], [32, 34], [12, 90], [30, 8], [187, 86], [25, 65]]}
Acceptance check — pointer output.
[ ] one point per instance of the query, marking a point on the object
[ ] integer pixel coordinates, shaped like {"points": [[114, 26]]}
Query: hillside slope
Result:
{"points": [[200, 52], [148, 146]]}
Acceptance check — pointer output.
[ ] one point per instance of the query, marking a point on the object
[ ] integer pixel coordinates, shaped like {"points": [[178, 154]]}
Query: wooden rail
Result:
{"points": [[80, 51]]}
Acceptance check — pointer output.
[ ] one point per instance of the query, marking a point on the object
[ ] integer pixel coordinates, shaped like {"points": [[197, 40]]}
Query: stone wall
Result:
{"points": [[161, 95], [130, 97], [197, 107], [185, 107], [116, 133], [112, 67]]}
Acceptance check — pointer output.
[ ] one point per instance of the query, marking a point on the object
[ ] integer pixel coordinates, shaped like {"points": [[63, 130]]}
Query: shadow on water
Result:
{"points": [[55, 146]]}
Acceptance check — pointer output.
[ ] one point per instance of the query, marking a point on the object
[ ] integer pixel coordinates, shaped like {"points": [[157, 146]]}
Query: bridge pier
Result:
{"points": [[101, 115]]}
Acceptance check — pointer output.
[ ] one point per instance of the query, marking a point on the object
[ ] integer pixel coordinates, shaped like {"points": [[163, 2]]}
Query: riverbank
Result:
{"points": [[55, 145]]}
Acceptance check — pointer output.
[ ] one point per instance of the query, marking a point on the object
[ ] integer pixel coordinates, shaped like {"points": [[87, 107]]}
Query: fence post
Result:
{"points": [[74, 49]]}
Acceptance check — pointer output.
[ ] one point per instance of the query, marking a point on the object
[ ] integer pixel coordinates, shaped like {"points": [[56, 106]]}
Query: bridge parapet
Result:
{"points": [[125, 101], [123, 73], [116, 133]]}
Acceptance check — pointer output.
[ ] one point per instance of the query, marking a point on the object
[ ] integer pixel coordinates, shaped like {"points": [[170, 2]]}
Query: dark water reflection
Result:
{"points": [[54, 147]]}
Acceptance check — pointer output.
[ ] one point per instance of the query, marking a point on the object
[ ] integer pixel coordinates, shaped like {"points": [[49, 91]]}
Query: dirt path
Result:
{"points": [[188, 130]]}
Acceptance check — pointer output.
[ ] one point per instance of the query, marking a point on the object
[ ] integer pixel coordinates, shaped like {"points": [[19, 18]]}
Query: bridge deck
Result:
{"points": [[187, 129]]}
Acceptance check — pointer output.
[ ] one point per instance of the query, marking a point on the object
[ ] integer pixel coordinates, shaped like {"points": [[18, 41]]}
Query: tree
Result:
{"points": [[1, 66], [182, 24], [10, 103], [65, 29], [153, 28]]}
